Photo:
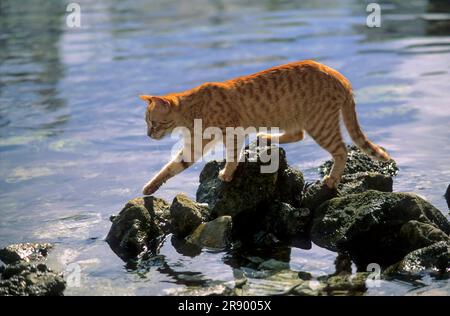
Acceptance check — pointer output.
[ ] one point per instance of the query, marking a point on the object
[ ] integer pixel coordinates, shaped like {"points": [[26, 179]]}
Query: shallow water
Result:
{"points": [[73, 144]]}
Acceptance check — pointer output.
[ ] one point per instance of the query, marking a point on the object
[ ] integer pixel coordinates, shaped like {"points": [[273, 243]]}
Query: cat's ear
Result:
{"points": [[160, 104], [147, 98]]}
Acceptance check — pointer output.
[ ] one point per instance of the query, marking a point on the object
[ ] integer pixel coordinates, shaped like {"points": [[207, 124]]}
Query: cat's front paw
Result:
{"points": [[223, 176], [151, 188]]}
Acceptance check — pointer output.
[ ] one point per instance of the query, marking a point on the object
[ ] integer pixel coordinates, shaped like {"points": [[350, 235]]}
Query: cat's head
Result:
{"points": [[159, 116]]}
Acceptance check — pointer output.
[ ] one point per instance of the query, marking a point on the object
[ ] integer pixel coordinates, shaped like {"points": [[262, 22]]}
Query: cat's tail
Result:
{"points": [[358, 136]]}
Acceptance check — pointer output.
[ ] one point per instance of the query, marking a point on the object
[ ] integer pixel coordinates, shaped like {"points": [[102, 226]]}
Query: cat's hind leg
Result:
{"points": [[339, 153], [328, 135]]}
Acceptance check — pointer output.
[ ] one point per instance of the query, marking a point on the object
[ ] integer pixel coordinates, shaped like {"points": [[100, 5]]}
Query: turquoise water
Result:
{"points": [[73, 144]]}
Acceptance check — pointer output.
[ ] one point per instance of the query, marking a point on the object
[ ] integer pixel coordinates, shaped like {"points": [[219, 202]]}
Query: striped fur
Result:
{"points": [[298, 97]]}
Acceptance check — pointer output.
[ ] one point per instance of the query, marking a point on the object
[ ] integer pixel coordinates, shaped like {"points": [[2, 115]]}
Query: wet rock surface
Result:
{"points": [[363, 181], [435, 257], [290, 186], [28, 279], [316, 194], [265, 207], [385, 223], [186, 215], [214, 234], [137, 225], [26, 273], [248, 189], [267, 213], [286, 221], [25, 252]]}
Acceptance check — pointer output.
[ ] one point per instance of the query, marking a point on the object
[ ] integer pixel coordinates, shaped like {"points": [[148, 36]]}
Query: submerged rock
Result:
{"points": [[358, 161], [222, 289], [375, 226], [186, 215], [345, 285], [433, 257], [214, 234], [287, 282], [30, 279], [138, 223], [273, 264], [25, 252]]}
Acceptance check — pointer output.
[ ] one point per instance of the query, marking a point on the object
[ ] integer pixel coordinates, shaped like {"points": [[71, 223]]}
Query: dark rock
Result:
{"points": [[214, 234], [186, 215], [364, 181], [369, 225], [447, 196], [285, 221], [265, 239], [249, 187], [305, 276], [290, 186], [27, 279], [316, 194], [433, 257], [273, 264], [358, 161], [25, 252], [185, 248], [137, 224], [422, 234]]}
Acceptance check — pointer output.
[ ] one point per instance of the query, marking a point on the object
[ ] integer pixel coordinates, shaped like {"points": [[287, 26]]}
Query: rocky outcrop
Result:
{"points": [[251, 189], [137, 225], [435, 257], [24, 252], [362, 220], [265, 207], [26, 273], [378, 226], [316, 194], [363, 181], [30, 279], [286, 221], [247, 191]]}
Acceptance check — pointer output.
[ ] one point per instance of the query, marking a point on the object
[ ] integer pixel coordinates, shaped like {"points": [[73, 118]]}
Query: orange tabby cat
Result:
{"points": [[296, 97]]}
